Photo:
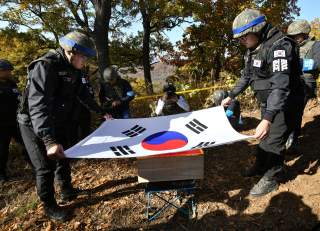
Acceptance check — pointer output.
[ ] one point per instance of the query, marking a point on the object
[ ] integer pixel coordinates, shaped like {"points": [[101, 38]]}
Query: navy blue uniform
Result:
{"points": [[310, 59], [45, 116], [273, 71], [9, 96], [121, 91], [81, 116]]}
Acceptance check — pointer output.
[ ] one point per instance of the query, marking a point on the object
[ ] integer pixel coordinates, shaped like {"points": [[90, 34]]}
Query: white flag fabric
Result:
{"points": [[125, 138]]}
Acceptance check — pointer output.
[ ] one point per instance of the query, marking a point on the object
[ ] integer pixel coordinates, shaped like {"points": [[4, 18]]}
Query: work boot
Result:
{"points": [[267, 183], [69, 193], [258, 168], [55, 212]]}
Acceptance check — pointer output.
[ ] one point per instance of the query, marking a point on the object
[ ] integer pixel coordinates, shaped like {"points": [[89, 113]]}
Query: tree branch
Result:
{"points": [[74, 11], [84, 14], [25, 25], [44, 22]]}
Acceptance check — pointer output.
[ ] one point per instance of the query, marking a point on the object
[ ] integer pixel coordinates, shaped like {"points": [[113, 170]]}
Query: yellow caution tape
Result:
{"points": [[179, 92]]}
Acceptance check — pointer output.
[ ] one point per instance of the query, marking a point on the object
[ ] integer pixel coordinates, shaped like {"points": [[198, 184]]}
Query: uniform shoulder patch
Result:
{"points": [[279, 53]]}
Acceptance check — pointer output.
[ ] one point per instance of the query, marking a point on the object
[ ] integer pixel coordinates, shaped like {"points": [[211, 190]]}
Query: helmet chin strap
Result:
{"points": [[68, 55]]}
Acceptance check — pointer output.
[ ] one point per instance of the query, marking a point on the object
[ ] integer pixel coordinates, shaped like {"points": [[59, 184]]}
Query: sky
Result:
{"points": [[309, 10]]}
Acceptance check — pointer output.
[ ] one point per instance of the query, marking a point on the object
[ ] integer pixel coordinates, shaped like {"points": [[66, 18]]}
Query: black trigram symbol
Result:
{"points": [[134, 131], [204, 145], [122, 150], [195, 126]]}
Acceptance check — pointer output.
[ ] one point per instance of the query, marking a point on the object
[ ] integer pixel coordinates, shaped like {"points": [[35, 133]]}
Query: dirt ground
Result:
{"points": [[115, 201]]}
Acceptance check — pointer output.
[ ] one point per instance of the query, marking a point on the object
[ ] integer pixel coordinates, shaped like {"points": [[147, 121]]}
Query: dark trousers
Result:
{"points": [[6, 133], [45, 168], [234, 121], [310, 90], [274, 143], [283, 124]]}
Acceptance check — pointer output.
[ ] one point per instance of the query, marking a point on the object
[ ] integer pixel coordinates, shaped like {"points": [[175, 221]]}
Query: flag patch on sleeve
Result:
{"points": [[256, 63], [279, 53]]}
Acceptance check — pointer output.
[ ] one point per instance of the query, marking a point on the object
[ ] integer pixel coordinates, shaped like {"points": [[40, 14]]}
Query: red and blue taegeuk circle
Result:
{"points": [[165, 140]]}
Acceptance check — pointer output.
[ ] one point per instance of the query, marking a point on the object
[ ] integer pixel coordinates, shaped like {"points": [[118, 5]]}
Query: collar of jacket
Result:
{"points": [[269, 33]]}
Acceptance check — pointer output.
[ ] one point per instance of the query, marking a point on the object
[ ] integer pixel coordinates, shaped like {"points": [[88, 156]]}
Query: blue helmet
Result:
{"points": [[248, 21], [76, 41], [5, 65]]}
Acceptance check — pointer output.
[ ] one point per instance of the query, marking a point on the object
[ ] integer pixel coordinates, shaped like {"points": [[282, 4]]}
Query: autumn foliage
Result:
{"points": [[205, 51]]}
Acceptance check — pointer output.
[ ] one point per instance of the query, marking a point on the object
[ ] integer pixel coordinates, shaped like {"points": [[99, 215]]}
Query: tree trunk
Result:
{"points": [[146, 48], [101, 31], [216, 67]]}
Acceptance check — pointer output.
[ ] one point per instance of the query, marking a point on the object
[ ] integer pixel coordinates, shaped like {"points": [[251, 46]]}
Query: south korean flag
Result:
{"points": [[126, 138]]}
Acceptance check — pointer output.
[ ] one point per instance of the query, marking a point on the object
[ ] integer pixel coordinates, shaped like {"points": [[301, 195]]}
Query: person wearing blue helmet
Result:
{"points": [[272, 69], [45, 114]]}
